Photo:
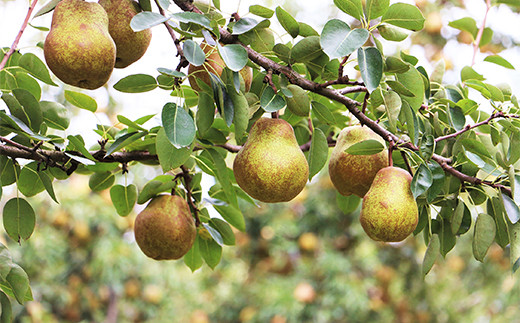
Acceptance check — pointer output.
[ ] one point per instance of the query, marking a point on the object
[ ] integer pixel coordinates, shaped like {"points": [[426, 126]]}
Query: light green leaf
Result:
{"points": [[232, 215], [371, 67], [338, 40], [55, 115], [136, 83], [483, 236], [365, 147], [193, 53], [499, 60], [178, 125], [19, 219], [234, 55], [288, 22], [123, 198], [81, 100], [32, 64], [431, 254], [261, 11], [146, 19], [405, 16], [353, 8], [318, 152], [270, 101], [376, 8]]}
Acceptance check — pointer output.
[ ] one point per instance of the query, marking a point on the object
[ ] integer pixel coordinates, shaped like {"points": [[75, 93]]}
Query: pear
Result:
{"points": [[130, 45], [78, 48], [299, 103], [215, 65], [353, 174], [165, 228], [389, 212], [271, 167]]}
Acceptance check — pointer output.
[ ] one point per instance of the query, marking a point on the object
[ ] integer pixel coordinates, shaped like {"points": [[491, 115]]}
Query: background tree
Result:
{"points": [[457, 140]]}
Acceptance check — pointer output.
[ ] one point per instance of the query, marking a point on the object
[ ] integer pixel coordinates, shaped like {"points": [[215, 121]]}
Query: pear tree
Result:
{"points": [[259, 110]]}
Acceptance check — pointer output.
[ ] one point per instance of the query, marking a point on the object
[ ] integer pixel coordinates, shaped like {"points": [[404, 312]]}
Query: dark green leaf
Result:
{"points": [[371, 67], [160, 184], [29, 182], [318, 153], [146, 19], [223, 177], [193, 53], [205, 112], [31, 109], [232, 215], [365, 147], [288, 22], [413, 81], [228, 237], [244, 25], [132, 124], [28, 83], [101, 181], [405, 16], [32, 64], [438, 181], [136, 83], [422, 180], [347, 204], [178, 125], [18, 282], [19, 219], [338, 40], [392, 33], [483, 236], [511, 208], [234, 55], [431, 254], [210, 251], [323, 113], [476, 147], [79, 145], [261, 11], [169, 156], [240, 111], [306, 49], [515, 247], [192, 258], [81, 100], [7, 312], [270, 101], [123, 198], [457, 118]]}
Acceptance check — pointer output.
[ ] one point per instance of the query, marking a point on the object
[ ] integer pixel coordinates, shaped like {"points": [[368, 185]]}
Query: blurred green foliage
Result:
{"points": [[303, 261]]}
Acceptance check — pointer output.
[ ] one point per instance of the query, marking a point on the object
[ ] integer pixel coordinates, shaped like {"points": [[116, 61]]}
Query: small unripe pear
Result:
{"points": [[271, 166], [299, 103], [353, 174], [389, 212], [165, 228], [130, 45], [78, 48]]}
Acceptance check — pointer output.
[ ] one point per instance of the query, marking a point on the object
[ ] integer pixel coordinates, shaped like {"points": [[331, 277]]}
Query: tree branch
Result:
{"points": [[20, 33], [495, 115]]}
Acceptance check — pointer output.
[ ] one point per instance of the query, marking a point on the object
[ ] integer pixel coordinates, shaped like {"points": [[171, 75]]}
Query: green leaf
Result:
{"points": [[28, 83], [458, 214], [123, 198], [55, 115], [405, 16], [9, 172], [101, 181], [18, 282], [31, 109], [244, 25], [371, 67], [376, 8], [161, 183], [392, 103], [483, 236], [46, 180], [210, 251], [193, 17], [48, 7], [438, 181], [306, 49], [240, 111], [178, 125], [323, 113], [306, 30], [468, 73], [511, 208], [169, 156], [365, 147], [78, 143], [288, 22], [348, 204], [318, 152], [32, 64], [515, 247], [421, 181], [353, 8], [430, 256], [232, 215], [392, 33], [399, 88], [465, 24], [338, 40], [29, 183], [223, 177], [81, 100], [457, 118], [413, 81], [193, 53], [19, 219], [499, 60], [146, 19], [476, 147], [228, 237], [261, 11], [234, 55], [131, 124], [7, 312], [124, 141], [192, 258], [395, 65], [136, 83], [270, 101], [447, 238], [205, 112]]}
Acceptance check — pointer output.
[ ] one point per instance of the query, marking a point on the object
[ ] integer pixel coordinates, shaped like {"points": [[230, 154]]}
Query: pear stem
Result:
{"points": [[20, 33], [391, 148]]}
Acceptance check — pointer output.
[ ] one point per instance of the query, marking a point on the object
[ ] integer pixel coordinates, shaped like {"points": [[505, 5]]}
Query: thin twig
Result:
{"points": [[495, 115], [353, 89], [20, 33], [476, 44]]}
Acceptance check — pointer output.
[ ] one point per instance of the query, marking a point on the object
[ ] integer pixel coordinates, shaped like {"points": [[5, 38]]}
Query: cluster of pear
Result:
{"points": [[87, 40], [389, 212]]}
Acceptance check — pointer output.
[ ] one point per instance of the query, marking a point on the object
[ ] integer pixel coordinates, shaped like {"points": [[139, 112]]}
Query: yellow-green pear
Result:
{"points": [[165, 229], [271, 167], [299, 103], [353, 174], [130, 45], [389, 212], [78, 48]]}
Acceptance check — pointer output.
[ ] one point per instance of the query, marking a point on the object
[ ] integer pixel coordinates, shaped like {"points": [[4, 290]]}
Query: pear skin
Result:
{"points": [[78, 48], [165, 229], [215, 65], [389, 212], [271, 167], [130, 45], [353, 174]]}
